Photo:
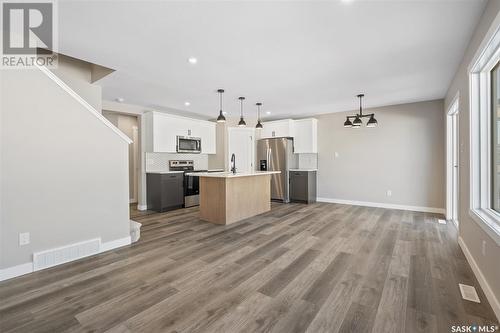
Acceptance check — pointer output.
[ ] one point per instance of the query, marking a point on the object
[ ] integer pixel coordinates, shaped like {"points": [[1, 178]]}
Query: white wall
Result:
{"points": [[471, 233], [403, 154], [64, 173], [78, 75]]}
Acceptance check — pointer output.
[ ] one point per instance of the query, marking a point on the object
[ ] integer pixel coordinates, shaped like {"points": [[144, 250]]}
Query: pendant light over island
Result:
{"points": [[259, 125], [242, 122], [220, 118]]}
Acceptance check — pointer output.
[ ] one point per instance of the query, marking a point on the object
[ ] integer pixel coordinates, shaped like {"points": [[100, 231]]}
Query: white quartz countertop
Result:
{"points": [[303, 169], [235, 175], [164, 172]]}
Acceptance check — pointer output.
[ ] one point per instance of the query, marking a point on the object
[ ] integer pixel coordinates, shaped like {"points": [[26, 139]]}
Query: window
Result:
{"points": [[495, 138], [484, 75]]}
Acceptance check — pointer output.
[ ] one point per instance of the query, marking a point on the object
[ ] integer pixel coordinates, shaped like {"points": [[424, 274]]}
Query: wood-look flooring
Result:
{"points": [[298, 268]]}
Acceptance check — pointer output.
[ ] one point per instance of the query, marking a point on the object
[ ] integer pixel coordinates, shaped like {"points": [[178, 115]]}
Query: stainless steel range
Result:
{"points": [[191, 181]]}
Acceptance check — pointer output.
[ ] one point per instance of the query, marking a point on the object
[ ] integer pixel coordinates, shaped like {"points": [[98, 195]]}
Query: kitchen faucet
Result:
{"points": [[233, 163]]}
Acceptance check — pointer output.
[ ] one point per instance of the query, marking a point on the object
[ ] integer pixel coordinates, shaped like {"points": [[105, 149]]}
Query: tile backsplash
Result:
{"points": [[157, 162], [308, 161]]}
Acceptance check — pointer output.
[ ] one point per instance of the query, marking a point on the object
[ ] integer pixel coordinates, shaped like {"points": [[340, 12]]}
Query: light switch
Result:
{"points": [[336, 154], [389, 193]]}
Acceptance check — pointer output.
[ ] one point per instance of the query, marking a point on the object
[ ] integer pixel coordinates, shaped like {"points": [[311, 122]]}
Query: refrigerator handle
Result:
{"points": [[269, 159]]}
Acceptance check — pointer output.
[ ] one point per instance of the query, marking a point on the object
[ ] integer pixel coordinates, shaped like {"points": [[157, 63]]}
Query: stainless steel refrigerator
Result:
{"points": [[276, 154]]}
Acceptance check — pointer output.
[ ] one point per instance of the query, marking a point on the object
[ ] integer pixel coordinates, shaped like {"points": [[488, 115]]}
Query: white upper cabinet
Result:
{"points": [[303, 131], [277, 129], [162, 131], [207, 135], [306, 136]]}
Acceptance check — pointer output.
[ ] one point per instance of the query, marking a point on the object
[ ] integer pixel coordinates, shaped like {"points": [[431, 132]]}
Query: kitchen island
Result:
{"points": [[227, 198]]}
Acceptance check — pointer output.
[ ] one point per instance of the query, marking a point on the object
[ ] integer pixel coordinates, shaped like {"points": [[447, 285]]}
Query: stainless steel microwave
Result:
{"points": [[187, 144]]}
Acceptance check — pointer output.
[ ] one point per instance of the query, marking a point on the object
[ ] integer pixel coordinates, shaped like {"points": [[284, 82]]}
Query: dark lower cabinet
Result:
{"points": [[303, 186], [165, 191]]}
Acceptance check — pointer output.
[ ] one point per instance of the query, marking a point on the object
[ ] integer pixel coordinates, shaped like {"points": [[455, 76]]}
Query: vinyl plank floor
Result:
{"points": [[297, 268]]}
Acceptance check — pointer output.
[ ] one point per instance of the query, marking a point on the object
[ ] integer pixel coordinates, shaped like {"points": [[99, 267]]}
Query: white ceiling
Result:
{"points": [[297, 57]]}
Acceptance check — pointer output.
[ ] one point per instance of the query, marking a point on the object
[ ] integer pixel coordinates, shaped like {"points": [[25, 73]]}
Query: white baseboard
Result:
{"points": [[15, 271], [12, 272], [494, 302], [383, 205], [142, 207], [115, 244]]}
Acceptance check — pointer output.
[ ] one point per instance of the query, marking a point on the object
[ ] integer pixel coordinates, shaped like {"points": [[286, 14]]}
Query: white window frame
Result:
{"points": [[480, 68]]}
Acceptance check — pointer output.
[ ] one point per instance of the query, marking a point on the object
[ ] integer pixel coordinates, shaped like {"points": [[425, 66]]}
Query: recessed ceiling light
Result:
{"points": [[192, 60], [187, 103], [268, 112], [224, 112], [119, 99], [345, 1]]}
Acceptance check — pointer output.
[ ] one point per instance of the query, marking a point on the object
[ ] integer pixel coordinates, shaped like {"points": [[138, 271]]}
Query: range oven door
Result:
{"points": [[186, 144], [191, 191]]}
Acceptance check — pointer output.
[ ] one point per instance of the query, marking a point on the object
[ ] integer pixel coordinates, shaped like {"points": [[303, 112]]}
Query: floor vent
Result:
{"points": [[469, 293], [441, 221], [61, 255]]}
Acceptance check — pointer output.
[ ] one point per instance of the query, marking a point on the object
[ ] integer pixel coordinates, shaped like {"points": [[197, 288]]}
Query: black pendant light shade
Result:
{"points": [[357, 122], [242, 122], [372, 122], [347, 123], [220, 118], [259, 125]]}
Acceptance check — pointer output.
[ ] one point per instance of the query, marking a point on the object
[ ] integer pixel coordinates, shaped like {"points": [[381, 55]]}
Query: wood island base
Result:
{"points": [[225, 200]]}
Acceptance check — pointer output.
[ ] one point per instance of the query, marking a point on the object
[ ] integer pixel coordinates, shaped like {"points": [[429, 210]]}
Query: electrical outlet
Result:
{"points": [[483, 248], [24, 238], [389, 193]]}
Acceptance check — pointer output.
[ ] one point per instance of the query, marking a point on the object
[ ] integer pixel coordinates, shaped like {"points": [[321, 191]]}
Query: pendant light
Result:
{"points": [[259, 125], [220, 118], [242, 122], [372, 122], [357, 122], [348, 123]]}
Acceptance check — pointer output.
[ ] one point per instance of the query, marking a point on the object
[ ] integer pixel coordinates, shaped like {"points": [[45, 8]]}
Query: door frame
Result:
{"points": [[140, 175], [452, 162], [135, 162]]}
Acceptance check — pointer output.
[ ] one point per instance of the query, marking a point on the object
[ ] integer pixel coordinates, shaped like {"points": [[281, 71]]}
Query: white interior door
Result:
{"points": [[452, 164], [241, 143]]}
